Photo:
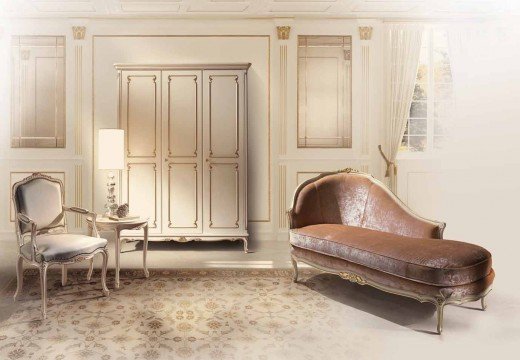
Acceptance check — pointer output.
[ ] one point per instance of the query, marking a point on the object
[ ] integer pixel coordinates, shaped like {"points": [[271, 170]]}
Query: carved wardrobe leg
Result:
{"points": [[440, 316], [63, 275], [145, 250], [295, 269], [245, 245], [43, 285], [104, 253], [19, 277]]}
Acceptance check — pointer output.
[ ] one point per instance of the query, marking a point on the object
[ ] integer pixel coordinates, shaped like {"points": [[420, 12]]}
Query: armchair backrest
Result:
{"points": [[40, 197], [357, 199]]}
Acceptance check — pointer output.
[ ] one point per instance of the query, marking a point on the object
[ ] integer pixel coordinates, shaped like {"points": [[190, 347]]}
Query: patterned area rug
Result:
{"points": [[193, 314]]}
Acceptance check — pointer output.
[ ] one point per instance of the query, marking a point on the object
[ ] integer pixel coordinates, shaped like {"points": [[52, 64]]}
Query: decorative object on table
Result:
{"points": [[111, 156], [43, 238], [122, 210], [125, 218], [107, 224]]}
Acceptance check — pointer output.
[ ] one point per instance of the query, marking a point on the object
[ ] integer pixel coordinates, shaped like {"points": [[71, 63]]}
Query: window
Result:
{"points": [[432, 103], [324, 92]]}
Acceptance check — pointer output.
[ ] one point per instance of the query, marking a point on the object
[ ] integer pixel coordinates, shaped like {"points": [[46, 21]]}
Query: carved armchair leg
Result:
{"points": [[90, 269], [63, 275], [440, 316], [19, 277], [104, 253], [295, 269], [43, 285], [483, 303]]}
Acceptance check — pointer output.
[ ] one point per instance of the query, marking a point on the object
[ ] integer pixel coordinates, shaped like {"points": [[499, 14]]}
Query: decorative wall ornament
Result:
{"points": [[283, 32], [79, 32], [25, 54], [365, 32]]}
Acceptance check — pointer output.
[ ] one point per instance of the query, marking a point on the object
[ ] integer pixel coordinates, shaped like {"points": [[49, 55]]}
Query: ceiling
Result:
{"points": [[258, 8]]}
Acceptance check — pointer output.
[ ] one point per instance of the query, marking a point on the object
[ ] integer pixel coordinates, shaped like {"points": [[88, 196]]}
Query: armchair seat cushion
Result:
{"points": [[430, 261], [61, 247]]}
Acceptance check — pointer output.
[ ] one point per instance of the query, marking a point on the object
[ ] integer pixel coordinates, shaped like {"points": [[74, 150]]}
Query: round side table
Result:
{"points": [[106, 224]]}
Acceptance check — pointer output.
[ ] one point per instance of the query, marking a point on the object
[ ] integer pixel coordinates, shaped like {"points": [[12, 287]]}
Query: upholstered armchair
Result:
{"points": [[42, 235]]}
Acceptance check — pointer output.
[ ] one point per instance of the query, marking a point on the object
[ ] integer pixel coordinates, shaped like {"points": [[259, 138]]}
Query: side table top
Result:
{"points": [[105, 220]]}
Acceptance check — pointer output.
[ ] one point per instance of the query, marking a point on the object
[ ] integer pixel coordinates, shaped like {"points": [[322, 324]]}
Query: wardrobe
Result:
{"points": [[186, 149]]}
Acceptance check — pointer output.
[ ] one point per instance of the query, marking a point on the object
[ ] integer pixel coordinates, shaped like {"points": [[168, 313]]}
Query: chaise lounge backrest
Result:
{"points": [[357, 199]]}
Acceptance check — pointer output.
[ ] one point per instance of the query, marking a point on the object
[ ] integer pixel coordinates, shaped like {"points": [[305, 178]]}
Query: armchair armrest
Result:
{"points": [[27, 220], [82, 211]]}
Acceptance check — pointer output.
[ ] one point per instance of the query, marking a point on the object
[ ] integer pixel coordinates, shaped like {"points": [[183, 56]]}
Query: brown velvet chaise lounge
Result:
{"points": [[348, 223]]}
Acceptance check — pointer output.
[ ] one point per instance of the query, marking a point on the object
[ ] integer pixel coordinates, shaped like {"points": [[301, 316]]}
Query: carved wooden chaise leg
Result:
{"points": [[483, 303], [19, 277], [440, 315], [295, 269]]}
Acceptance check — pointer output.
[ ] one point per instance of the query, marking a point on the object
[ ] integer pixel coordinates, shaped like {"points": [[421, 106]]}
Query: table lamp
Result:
{"points": [[111, 156]]}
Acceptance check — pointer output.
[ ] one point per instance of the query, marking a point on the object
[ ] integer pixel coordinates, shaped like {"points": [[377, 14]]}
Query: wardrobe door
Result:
{"points": [[224, 152], [182, 152], [140, 117]]}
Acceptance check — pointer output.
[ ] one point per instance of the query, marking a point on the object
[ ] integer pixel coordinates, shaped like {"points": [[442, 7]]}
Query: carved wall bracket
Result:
{"points": [[365, 32], [79, 32], [283, 32]]}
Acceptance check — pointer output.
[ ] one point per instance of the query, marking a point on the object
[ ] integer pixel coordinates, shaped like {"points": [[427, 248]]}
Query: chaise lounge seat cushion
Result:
{"points": [[429, 261]]}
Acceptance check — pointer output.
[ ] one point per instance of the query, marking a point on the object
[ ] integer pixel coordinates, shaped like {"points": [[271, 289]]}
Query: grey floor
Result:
{"points": [[399, 327]]}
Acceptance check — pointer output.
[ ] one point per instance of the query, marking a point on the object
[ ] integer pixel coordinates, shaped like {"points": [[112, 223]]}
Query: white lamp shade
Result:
{"points": [[111, 149]]}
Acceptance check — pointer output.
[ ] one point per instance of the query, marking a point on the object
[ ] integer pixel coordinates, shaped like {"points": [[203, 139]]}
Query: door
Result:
{"points": [[140, 117], [182, 152], [224, 151]]}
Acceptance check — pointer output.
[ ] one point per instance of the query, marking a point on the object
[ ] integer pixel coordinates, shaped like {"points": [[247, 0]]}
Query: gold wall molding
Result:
{"points": [[365, 99], [79, 32], [78, 192], [267, 219], [282, 136], [283, 32], [365, 32], [78, 101], [282, 193]]}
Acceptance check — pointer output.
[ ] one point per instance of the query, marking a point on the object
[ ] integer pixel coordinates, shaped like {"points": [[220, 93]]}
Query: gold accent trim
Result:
{"points": [[128, 167], [346, 141], [211, 164], [237, 118], [365, 99], [128, 81], [365, 32], [268, 37], [78, 192], [196, 80], [283, 32], [282, 184], [78, 105], [195, 223], [283, 100], [79, 32]]}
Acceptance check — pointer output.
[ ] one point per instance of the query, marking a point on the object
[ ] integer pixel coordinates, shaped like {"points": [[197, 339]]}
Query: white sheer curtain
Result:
{"points": [[403, 47]]}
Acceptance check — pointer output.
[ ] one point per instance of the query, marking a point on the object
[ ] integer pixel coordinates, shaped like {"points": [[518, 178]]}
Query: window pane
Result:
{"points": [[417, 126], [443, 92], [443, 109], [420, 92], [418, 109], [417, 143]]}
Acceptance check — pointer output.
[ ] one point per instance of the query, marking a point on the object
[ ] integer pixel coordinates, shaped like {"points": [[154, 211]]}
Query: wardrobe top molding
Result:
{"points": [[224, 66]]}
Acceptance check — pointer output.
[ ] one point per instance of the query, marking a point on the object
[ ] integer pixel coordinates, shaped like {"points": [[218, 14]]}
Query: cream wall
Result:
{"points": [[276, 165]]}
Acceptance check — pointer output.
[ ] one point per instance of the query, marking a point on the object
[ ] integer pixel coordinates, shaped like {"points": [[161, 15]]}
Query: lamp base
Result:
{"points": [[110, 205]]}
